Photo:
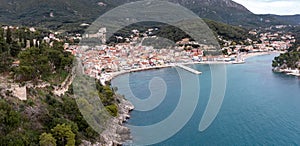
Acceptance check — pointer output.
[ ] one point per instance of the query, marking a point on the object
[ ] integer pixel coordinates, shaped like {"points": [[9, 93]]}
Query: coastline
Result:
{"points": [[113, 75], [117, 133], [120, 133], [250, 55], [292, 72], [238, 81], [116, 74], [288, 71]]}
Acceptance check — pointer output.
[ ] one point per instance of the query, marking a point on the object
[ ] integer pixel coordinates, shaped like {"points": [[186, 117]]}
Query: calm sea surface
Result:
{"points": [[260, 107]]}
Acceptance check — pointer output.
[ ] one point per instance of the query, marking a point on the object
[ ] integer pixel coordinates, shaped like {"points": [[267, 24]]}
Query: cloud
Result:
{"points": [[279, 7]]}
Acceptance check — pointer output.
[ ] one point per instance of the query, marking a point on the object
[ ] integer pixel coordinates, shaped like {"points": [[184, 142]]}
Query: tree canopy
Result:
{"points": [[39, 63]]}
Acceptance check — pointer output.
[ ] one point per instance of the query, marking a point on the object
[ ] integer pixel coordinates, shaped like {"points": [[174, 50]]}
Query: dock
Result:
{"points": [[188, 69]]}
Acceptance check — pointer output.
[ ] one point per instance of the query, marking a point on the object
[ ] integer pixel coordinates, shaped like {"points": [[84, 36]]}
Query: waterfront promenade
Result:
{"points": [[109, 76]]}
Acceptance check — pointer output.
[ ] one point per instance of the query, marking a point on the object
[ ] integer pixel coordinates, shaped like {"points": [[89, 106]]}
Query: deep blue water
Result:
{"points": [[260, 107]]}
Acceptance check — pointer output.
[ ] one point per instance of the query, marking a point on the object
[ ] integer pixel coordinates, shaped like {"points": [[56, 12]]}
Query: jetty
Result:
{"points": [[188, 69]]}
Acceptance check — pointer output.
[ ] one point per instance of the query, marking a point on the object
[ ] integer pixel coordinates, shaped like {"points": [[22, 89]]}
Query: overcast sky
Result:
{"points": [[279, 7]]}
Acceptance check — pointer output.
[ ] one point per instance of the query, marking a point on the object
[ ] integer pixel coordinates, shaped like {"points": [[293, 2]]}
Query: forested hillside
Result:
{"points": [[69, 14], [44, 118], [223, 30], [291, 59]]}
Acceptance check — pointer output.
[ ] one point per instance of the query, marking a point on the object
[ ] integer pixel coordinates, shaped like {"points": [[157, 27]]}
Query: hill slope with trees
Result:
{"points": [[44, 118], [291, 59], [69, 14]]}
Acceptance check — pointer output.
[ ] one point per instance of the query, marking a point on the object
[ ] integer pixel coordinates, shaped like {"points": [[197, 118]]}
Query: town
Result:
{"points": [[150, 72], [105, 62]]}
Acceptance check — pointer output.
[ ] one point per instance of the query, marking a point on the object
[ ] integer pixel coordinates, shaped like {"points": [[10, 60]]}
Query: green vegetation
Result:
{"points": [[69, 14], [38, 60], [12, 41], [291, 59], [164, 31], [228, 32], [225, 31], [64, 135], [47, 140], [44, 119], [7, 49], [108, 98], [112, 109], [44, 62], [51, 120], [288, 60], [105, 94]]}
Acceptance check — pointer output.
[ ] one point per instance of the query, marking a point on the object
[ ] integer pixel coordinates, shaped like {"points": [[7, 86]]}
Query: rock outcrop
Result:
{"points": [[116, 133]]}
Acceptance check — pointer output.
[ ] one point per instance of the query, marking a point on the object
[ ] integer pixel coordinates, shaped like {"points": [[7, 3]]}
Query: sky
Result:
{"points": [[279, 7]]}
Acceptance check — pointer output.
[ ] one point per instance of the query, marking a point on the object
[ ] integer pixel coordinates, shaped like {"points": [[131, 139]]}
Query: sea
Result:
{"points": [[259, 107]]}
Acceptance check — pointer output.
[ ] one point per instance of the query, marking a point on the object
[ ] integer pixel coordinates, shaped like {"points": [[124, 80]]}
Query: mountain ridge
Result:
{"points": [[57, 14]]}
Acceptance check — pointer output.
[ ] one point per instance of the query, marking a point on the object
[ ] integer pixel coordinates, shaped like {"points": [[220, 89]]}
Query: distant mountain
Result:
{"points": [[49, 13], [61, 14], [292, 19], [227, 11]]}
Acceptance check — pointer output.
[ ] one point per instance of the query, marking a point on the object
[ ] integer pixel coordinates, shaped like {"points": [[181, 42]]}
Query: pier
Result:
{"points": [[188, 69]]}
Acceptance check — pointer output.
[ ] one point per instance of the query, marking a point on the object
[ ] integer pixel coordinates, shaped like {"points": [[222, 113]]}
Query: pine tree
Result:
{"points": [[63, 133], [15, 49]]}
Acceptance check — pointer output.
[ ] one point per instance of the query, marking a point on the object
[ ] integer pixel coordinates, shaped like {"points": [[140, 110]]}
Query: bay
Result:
{"points": [[260, 107]]}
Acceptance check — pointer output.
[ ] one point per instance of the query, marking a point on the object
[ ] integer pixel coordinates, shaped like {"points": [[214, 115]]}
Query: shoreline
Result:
{"points": [[250, 55], [117, 133], [113, 75], [126, 106], [291, 72], [116, 74]]}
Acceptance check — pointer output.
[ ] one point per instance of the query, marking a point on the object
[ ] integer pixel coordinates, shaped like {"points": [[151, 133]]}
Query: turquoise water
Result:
{"points": [[260, 107]]}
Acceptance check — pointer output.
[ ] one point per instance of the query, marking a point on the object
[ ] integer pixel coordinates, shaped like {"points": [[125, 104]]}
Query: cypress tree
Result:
{"points": [[8, 36]]}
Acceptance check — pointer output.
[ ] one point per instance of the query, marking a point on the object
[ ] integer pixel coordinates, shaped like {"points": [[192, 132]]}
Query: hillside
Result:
{"points": [[292, 19], [62, 14], [37, 104], [227, 11], [220, 30], [291, 59]]}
